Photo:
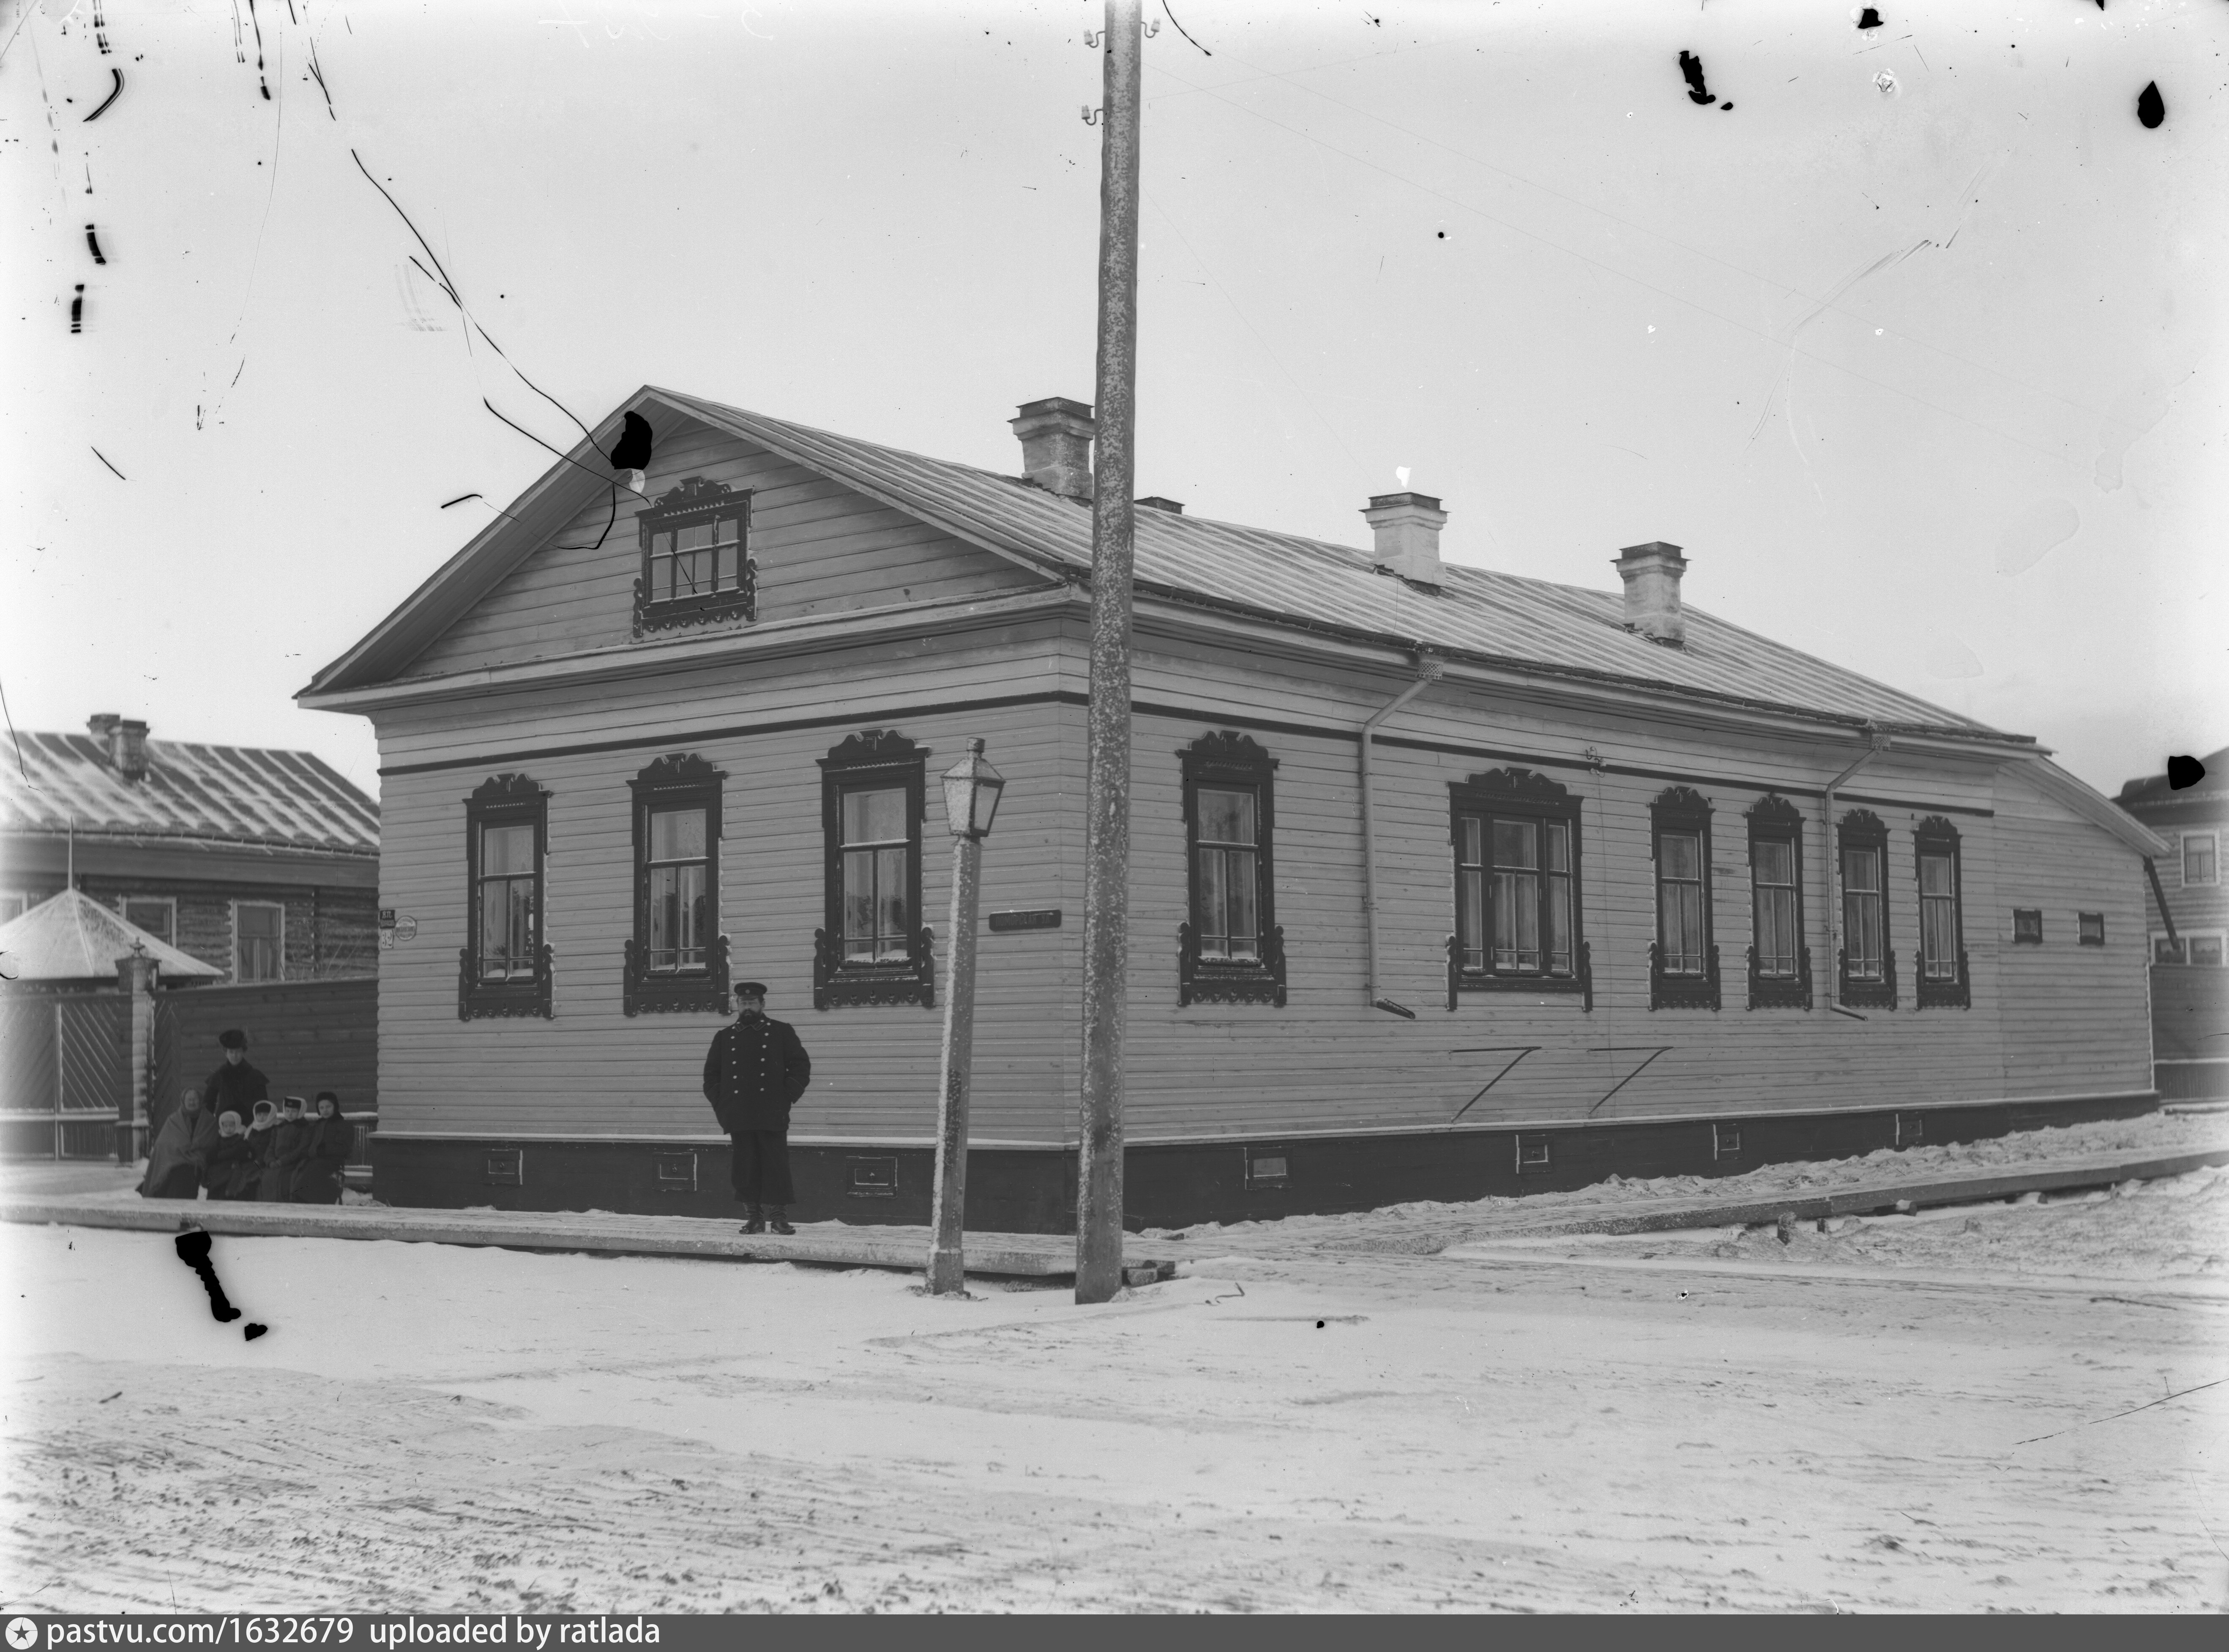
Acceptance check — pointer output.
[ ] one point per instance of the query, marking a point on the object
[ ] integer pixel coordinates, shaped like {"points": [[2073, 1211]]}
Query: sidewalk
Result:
{"points": [[102, 1196]]}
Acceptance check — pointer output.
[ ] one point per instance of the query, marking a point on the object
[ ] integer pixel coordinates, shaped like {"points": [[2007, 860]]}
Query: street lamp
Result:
{"points": [[971, 801]]}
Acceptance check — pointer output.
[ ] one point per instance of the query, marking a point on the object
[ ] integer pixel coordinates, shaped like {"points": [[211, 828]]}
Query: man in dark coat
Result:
{"points": [[756, 1070], [235, 1086]]}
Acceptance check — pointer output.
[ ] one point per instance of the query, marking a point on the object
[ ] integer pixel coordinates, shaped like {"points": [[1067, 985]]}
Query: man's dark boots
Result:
{"points": [[757, 1223], [777, 1219]]}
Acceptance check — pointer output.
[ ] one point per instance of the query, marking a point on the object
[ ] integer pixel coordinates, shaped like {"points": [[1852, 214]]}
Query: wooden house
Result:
{"points": [[1607, 885], [2187, 910]]}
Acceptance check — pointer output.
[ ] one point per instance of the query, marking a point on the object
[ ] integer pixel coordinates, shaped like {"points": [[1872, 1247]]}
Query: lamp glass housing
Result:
{"points": [[970, 794]]}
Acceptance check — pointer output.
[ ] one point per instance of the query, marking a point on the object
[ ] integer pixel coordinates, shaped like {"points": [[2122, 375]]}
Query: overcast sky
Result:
{"points": [[1910, 339]]}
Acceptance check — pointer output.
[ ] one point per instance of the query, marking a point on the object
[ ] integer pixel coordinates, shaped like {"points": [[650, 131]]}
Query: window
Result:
{"points": [[157, 916], [13, 905], [1683, 960], [2165, 951], [696, 557], [1943, 980], [2027, 925], [872, 949], [259, 940], [1516, 837], [505, 967], [677, 959], [1232, 951], [2198, 858], [1779, 962], [2092, 928], [1866, 967], [2205, 949]]}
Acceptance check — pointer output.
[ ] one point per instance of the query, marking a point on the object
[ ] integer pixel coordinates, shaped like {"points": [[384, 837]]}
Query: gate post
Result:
{"points": [[136, 973]]}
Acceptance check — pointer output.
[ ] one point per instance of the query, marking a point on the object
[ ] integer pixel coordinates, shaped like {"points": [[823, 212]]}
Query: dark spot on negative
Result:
{"points": [[2151, 108], [193, 1248], [1692, 66], [633, 451], [254, 1330], [2182, 773], [1871, 19]]}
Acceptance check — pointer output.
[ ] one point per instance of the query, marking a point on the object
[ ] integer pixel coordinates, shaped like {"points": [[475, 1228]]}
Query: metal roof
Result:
{"points": [[74, 938], [239, 795], [2152, 792], [1503, 617]]}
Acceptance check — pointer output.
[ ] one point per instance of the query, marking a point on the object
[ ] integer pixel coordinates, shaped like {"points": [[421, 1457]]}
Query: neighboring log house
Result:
{"points": [[1639, 892], [264, 865]]}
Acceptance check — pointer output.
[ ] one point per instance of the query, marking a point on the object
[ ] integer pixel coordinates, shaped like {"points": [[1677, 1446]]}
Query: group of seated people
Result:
{"points": [[283, 1155]]}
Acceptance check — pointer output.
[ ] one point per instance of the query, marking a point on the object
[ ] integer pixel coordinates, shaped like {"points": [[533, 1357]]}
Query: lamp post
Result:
{"points": [[971, 799]]}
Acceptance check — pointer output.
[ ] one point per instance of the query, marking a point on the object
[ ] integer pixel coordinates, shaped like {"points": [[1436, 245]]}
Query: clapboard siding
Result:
{"points": [[2072, 1014], [820, 548]]}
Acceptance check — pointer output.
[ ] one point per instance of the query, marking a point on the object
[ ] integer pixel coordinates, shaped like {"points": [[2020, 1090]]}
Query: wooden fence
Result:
{"points": [[2190, 1030]]}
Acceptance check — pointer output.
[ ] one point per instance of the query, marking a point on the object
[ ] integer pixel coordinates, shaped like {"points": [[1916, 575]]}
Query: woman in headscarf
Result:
{"points": [[227, 1167], [290, 1139], [332, 1138], [174, 1170]]}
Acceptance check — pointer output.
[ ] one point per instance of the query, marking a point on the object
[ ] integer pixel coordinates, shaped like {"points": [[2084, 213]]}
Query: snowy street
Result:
{"points": [[1653, 1423]]}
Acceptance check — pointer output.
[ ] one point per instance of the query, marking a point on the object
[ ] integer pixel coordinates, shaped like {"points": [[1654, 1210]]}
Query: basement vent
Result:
{"points": [[676, 1172], [506, 1168], [1531, 1154], [1725, 1141], [872, 1177], [1269, 1167], [1911, 1130]]}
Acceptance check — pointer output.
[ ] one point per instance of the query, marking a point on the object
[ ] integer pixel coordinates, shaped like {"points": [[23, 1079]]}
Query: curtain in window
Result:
{"points": [[1862, 912], [876, 899], [506, 903], [1938, 918], [1772, 873], [1229, 923], [680, 915], [1679, 901]]}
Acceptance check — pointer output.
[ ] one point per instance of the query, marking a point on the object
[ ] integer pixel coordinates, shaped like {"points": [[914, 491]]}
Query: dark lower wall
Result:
{"points": [[305, 1036], [1173, 1186]]}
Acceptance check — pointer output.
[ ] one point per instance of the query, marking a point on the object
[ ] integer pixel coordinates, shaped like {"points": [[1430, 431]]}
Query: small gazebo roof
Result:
{"points": [[74, 938]]}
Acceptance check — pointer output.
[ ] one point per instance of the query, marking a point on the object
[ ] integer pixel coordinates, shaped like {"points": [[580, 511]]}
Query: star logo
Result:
{"points": [[22, 1633]]}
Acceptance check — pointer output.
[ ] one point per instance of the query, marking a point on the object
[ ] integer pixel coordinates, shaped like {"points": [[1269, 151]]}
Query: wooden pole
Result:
{"points": [[1107, 799], [947, 1217]]}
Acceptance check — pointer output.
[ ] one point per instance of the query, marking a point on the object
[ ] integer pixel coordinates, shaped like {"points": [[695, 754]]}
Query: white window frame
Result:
{"points": [[20, 895], [124, 903], [2182, 859], [2220, 937], [280, 907]]}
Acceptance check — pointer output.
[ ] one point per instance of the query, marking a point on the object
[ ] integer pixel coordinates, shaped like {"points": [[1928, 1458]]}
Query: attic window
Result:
{"points": [[695, 558]]}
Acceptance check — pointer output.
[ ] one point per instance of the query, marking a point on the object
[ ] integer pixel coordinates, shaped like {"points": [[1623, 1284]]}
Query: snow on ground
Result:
{"points": [[1426, 1225], [431, 1427]]}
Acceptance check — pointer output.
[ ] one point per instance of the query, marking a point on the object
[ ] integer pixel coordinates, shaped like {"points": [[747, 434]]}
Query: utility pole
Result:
{"points": [[1106, 796]]}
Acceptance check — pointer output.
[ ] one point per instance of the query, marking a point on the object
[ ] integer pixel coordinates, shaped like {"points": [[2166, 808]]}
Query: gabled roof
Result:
{"points": [[74, 938], [1502, 619], [239, 795], [2153, 791]]}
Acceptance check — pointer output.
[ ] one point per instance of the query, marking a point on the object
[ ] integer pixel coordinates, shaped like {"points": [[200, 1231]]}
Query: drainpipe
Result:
{"points": [[1428, 671], [1876, 742]]}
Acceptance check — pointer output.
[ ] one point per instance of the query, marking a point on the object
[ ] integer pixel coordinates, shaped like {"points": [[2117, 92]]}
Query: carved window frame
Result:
{"points": [[1228, 758], [681, 781], [873, 758], [1681, 809], [1773, 818], [1935, 836], [1862, 829], [696, 500], [506, 800], [1516, 794]]}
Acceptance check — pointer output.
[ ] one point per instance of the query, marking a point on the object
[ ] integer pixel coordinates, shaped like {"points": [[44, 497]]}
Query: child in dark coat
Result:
{"points": [[229, 1169], [290, 1139], [332, 1139]]}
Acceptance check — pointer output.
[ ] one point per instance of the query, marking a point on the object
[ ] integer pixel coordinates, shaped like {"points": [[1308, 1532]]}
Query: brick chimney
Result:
{"points": [[1651, 573], [123, 742], [1056, 436], [1408, 529]]}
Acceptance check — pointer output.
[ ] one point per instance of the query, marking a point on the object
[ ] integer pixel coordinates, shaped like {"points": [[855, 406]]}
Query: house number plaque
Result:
{"points": [[1003, 922]]}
